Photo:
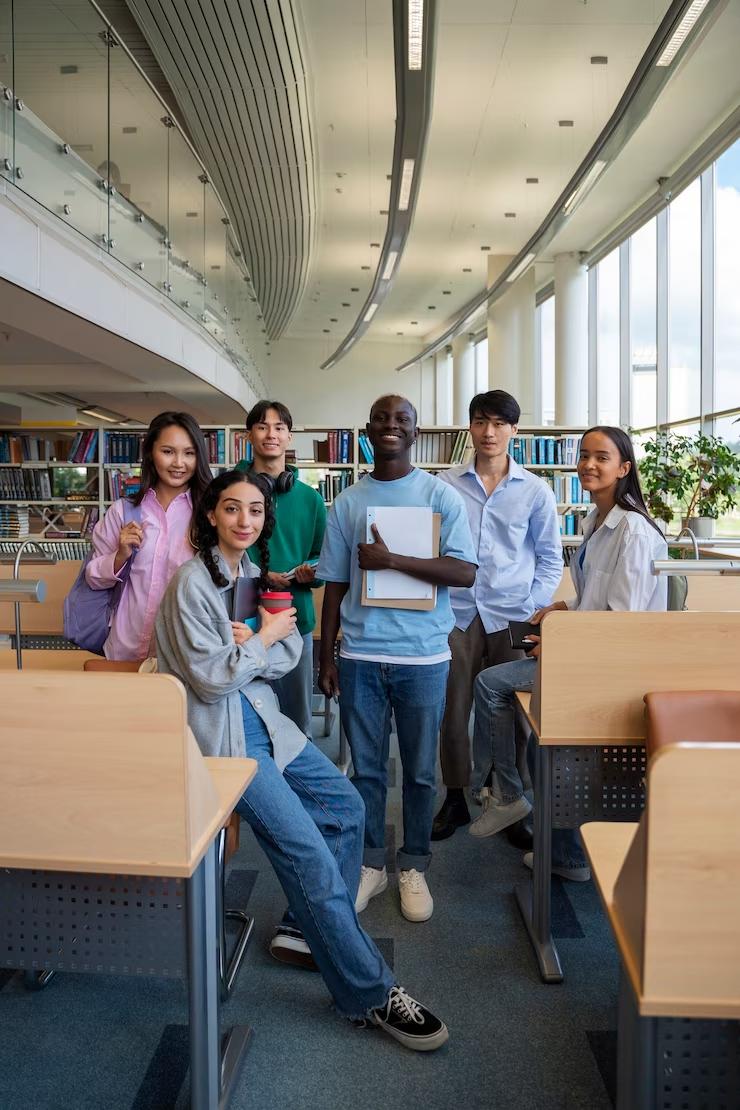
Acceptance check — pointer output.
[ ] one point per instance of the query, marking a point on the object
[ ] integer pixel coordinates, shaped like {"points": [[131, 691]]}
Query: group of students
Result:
{"points": [[249, 693]]}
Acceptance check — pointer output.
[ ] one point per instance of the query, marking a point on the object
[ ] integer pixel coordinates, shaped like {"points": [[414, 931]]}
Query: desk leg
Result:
{"points": [[533, 896], [212, 1075], [636, 1052]]}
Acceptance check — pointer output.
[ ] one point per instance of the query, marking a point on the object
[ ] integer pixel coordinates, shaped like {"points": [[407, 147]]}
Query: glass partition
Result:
{"points": [[61, 112], [138, 161], [84, 133], [185, 225], [6, 89], [215, 269]]}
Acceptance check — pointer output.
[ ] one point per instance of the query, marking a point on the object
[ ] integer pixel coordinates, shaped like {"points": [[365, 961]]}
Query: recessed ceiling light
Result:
{"points": [[415, 33], [404, 189], [215, 267], [533, 181], [467, 270], [191, 214], [390, 263], [485, 248], [345, 304], [414, 321], [340, 174], [599, 60], [388, 176], [337, 190], [678, 37], [431, 307], [129, 130], [68, 69], [354, 289], [399, 333], [565, 123], [326, 331], [446, 292], [383, 211], [333, 320], [364, 267], [375, 244], [370, 313], [510, 215]]}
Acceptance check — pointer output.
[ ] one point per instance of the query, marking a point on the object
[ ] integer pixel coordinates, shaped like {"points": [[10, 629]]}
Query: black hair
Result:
{"points": [[495, 403], [400, 397], [203, 535], [259, 411], [629, 494], [149, 477]]}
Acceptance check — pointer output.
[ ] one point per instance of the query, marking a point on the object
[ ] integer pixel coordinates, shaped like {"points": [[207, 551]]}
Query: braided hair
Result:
{"points": [[203, 535]]}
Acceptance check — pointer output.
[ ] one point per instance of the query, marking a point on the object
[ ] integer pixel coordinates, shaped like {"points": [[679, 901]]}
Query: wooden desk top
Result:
{"points": [[607, 844], [45, 659]]}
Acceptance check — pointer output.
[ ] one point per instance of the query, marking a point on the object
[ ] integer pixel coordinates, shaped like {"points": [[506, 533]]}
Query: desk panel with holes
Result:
{"points": [[597, 784], [109, 924]]}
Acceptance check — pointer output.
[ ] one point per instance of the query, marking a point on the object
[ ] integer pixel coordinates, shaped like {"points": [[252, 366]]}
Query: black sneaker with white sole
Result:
{"points": [[289, 947], [409, 1022]]}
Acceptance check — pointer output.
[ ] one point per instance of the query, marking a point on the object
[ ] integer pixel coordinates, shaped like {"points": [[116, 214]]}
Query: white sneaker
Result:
{"points": [[498, 815], [416, 901], [373, 881]]}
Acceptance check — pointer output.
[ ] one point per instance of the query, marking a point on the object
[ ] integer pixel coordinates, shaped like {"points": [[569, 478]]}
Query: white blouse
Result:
{"points": [[611, 570]]}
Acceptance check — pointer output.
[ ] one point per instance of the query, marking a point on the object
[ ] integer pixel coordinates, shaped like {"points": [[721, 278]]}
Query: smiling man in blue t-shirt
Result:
{"points": [[392, 659]]}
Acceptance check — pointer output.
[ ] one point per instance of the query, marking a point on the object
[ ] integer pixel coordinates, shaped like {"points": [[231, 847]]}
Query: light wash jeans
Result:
{"points": [[494, 744], [309, 822], [416, 697], [295, 689]]}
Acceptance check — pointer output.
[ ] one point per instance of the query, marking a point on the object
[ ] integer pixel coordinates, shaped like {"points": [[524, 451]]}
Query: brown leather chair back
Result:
{"points": [[109, 665], [694, 715]]}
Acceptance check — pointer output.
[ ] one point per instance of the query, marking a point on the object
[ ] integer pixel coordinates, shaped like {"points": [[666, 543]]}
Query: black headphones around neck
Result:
{"points": [[283, 483]]}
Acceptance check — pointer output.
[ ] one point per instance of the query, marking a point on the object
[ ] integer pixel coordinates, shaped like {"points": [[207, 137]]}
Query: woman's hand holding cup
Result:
{"points": [[275, 626]]}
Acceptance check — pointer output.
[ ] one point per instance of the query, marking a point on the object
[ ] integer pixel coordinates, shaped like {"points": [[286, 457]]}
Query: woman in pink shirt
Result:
{"points": [[174, 473]]}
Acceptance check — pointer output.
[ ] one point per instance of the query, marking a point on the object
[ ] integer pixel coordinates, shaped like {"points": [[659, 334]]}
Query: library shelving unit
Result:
{"points": [[56, 482]]}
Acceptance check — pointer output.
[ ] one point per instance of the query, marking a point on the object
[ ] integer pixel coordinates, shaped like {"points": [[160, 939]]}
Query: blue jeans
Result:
{"points": [[309, 822], [494, 744], [295, 689], [416, 696]]}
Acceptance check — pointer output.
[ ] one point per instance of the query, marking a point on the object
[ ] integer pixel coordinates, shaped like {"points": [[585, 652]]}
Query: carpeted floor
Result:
{"points": [[122, 1044]]}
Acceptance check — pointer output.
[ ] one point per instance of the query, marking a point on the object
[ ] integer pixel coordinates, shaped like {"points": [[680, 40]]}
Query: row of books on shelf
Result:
{"points": [[570, 523], [442, 447], [122, 485], [13, 522], [27, 448], [568, 489], [333, 484], [336, 448], [545, 450], [62, 549], [123, 447], [216, 446], [367, 453], [242, 451], [17, 484]]}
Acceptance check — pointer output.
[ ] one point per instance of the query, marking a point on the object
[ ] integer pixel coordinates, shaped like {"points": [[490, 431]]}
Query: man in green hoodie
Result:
{"points": [[300, 520]]}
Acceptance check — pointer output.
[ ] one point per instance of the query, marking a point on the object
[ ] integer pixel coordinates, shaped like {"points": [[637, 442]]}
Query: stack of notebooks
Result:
{"points": [[13, 522]]}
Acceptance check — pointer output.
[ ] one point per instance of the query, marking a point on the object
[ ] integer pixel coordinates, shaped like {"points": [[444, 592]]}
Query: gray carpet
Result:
{"points": [[94, 1042]]}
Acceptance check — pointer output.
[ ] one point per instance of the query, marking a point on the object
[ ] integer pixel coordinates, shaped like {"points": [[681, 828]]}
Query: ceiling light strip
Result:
{"points": [[679, 36], [413, 29], [642, 91]]}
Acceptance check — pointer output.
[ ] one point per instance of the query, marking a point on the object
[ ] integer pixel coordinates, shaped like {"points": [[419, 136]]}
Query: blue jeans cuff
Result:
{"points": [[406, 862], [374, 857]]}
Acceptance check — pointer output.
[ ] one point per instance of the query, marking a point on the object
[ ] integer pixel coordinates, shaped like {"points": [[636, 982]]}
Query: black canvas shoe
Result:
{"points": [[289, 947], [409, 1022]]}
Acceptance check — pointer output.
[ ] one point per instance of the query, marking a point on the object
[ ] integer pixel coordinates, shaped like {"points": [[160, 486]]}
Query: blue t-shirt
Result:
{"points": [[378, 632]]}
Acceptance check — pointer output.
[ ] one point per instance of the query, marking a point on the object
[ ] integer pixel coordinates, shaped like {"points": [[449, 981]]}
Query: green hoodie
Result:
{"points": [[300, 520]]}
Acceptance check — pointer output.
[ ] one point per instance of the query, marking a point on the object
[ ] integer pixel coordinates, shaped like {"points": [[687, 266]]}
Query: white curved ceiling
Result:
{"points": [[236, 70]]}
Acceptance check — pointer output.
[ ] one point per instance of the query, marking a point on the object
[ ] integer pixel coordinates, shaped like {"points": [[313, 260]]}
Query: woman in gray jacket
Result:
{"points": [[307, 817]]}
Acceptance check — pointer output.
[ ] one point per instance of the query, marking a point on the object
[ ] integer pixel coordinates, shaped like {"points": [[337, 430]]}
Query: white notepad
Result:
{"points": [[405, 530]]}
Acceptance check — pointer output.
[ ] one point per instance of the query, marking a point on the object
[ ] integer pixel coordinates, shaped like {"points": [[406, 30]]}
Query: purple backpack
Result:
{"points": [[88, 613]]}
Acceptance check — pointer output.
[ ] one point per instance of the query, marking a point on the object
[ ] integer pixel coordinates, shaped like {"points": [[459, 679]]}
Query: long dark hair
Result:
{"points": [[629, 494], [149, 477], [203, 535]]}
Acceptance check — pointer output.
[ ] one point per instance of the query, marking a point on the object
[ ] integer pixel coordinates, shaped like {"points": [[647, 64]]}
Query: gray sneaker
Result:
{"points": [[576, 872], [498, 815]]}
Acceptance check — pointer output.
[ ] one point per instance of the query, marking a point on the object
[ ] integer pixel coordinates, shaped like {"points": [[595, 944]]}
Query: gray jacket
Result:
{"points": [[195, 643]]}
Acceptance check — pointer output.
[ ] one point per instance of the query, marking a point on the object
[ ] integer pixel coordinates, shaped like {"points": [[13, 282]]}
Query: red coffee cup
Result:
{"points": [[274, 601]]}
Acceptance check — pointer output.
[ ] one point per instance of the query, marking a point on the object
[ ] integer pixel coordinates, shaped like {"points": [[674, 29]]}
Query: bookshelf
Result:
{"points": [[55, 483]]}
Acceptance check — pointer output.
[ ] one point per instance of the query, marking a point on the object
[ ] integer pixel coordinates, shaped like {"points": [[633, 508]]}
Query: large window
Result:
{"points": [[684, 304], [643, 327], [545, 324], [607, 340], [727, 280], [481, 366]]}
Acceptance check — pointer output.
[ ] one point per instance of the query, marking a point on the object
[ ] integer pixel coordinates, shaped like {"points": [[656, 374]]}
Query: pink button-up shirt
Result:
{"points": [[166, 547]]}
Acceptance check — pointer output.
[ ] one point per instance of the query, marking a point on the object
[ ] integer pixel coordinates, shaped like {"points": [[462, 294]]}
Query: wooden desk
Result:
{"points": [[586, 714], [124, 814]]}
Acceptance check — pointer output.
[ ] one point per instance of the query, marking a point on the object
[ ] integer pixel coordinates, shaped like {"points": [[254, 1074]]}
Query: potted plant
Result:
{"points": [[695, 477]]}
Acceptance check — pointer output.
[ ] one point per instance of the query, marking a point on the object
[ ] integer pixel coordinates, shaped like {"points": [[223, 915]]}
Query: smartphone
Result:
{"points": [[518, 632]]}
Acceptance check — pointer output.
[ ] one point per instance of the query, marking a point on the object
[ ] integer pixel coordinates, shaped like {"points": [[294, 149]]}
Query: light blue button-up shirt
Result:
{"points": [[517, 539]]}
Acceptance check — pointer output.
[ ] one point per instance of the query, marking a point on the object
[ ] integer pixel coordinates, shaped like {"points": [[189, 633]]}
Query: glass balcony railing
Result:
{"points": [[84, 133]]}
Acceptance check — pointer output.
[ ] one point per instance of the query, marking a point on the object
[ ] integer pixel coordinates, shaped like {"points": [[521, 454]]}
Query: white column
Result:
{"points": [[511, 342], [443, 381], [571, 340], [427, 392], [463, 376]]}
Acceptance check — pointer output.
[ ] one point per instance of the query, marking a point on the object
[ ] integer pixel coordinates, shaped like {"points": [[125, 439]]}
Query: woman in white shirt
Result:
{"points": [[611, 571]]}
